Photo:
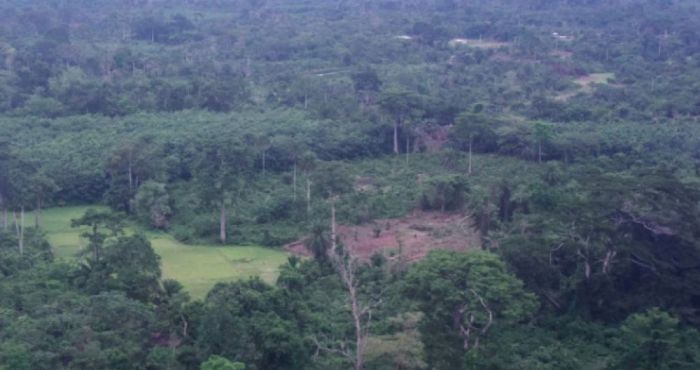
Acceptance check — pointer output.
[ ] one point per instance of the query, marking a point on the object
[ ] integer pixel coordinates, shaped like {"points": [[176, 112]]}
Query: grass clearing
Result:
{"points": [[197, 267]]}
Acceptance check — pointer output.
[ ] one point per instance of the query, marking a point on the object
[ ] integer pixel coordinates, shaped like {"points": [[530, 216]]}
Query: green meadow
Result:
{"points": [[197, 267]]}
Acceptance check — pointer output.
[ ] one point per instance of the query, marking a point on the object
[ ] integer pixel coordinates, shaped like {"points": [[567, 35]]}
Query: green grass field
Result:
{"points": [[197, 267]]}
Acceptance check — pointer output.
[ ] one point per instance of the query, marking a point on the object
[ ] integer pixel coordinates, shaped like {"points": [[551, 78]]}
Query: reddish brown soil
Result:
{"points": [[410, 238]]}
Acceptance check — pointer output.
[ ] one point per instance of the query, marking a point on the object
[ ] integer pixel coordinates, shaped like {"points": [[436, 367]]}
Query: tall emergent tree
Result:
{"points": [[221, 169], [473, 129], [400, 106], [332, 181]]}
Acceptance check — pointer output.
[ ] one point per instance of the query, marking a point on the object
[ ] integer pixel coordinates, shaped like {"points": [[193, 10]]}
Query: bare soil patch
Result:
{"points": [[409, 238]]}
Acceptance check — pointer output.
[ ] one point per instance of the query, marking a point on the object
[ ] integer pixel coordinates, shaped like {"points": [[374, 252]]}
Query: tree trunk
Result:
{"points": [[263, 160], [41, 211], [21, 232], [333, 230], [308, 197], [95, 244], [408, 146], [131, 178], [359, 334], [469, 171], [222, 223], [396, 137], [4, 218], [294, 181], [539, 152], [20, 247], [37, 213]]}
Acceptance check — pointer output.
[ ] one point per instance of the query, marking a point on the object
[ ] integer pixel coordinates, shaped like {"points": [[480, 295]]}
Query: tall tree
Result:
{"points": [[221, 169], [102, 225], [307, 164], [400, 106], [42, 187], [542, 135], [471, 129], [19, 195], [367, 84], [332, 181], [130, 165], [5, 163]]}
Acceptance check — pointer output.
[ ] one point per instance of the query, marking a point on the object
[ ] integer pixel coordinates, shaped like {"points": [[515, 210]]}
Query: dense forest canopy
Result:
{"points": [[503, 184]]}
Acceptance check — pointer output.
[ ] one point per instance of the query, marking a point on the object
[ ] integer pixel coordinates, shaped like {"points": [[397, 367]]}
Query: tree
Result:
{"points": [[446, 193], [332, 180], [152, 204], [542, 135], [265, 336], [102, 225], [293, 152], [400, 106], [42, 187], [262, 144], [471, 129], [18, 193], [307, 163], [221, 363], [367, 84], [80, 93], [5, 165], [653, 340], [133, 267], [130, 165], [221, 169], [462, 296]]}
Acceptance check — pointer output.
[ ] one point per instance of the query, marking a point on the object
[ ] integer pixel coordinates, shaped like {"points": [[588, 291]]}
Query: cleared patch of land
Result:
{"points": [[586, 84], [563, 54], [197, 267], [587, 81], [477, 43], [409, 238]]}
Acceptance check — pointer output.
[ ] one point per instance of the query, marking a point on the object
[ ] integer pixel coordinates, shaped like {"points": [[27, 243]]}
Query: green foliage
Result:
{"points": [[265, 338], [102, 225], [220, 363], [652, 340], [152, 204], [37, 251], [461, 295], [215, 119], [445, 193], [476, 129]]}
